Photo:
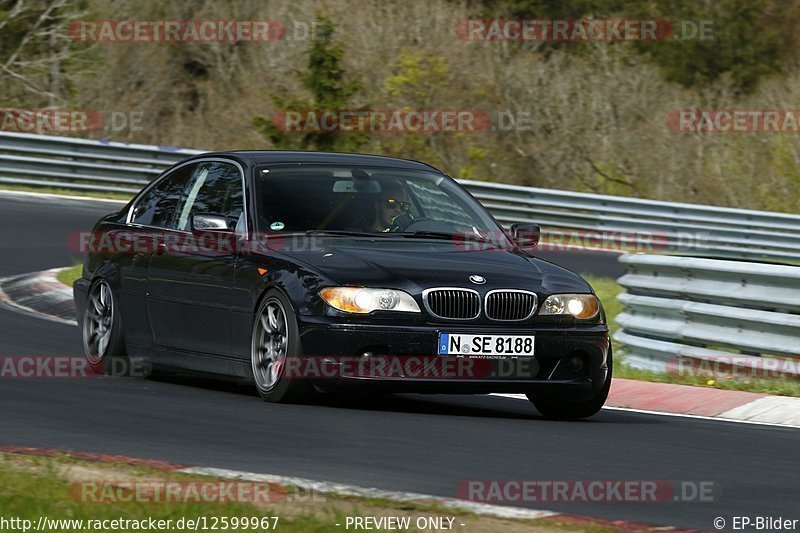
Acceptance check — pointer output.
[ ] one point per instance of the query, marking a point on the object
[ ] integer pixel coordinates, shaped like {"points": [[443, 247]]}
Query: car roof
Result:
{"points": [[271, 157]]}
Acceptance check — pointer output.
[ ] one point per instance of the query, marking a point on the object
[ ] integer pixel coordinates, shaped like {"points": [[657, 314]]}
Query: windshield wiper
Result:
{"points": [[449, 236], [344, 233]]}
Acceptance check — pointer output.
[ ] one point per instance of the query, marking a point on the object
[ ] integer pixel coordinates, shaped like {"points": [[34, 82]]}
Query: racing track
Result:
{"points": [[405, 442]]}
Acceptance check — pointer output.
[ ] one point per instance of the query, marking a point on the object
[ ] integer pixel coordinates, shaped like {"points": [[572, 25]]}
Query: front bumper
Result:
{"points": [[553, 369]]}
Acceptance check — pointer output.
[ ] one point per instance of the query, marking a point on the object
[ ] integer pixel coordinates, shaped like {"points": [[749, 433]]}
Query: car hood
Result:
{"points": [[414, 265]]}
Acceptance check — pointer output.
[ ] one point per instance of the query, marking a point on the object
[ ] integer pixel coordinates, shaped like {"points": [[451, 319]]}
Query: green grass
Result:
{"points": [[33, 486], [70, 274], [608, 289], [67, 192], [29, 495]]}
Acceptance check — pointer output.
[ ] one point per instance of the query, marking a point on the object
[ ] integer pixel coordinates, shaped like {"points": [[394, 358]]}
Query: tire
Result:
{"points": [[103, 342], [565, 409], [274, 338]]}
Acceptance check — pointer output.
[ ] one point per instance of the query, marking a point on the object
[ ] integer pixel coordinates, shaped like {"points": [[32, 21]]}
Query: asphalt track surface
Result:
{"points": [[422, 444]]}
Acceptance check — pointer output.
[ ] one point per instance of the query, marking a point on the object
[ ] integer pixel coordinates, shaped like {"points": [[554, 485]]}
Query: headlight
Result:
{"points": [[581, 306], [366, 300]]}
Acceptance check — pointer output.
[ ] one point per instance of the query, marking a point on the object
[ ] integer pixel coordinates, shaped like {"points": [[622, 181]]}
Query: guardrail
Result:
{"points": [[82, 164], [651, 226], [680, 311], [690, 229]]}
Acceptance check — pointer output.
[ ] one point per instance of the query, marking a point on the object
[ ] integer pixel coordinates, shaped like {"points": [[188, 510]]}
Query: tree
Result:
{"points": [[748, 44], [746, 47], [34, 47], [330, 92]]}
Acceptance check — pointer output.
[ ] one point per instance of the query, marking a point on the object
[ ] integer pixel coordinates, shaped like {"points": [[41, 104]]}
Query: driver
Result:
{"points": [[392, 202]]}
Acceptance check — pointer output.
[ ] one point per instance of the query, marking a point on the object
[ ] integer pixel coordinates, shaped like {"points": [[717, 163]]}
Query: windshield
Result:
{"points": [[364, 200]]}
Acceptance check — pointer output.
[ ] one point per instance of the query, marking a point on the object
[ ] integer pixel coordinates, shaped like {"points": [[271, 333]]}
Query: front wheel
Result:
{"points": [[275, 337], [102, 331], [565, 409]]}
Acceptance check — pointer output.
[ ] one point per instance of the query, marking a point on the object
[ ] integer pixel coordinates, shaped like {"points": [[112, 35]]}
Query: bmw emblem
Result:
{"points": [[477, 280]]}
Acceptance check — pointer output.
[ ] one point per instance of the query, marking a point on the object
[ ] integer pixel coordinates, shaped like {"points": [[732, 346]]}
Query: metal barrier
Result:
{"points": [[82, 164], [647, 225], [680, 310], [688, 229]]}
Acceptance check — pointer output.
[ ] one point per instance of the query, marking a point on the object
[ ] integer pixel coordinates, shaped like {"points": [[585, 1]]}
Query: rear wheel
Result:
{"points": [[566, 409], [275, 337], [102, 331]]}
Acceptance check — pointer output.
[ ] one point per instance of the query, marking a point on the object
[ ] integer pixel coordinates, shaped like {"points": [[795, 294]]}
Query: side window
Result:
{"points": [[438, 205], [214, 189], [158, 206]]}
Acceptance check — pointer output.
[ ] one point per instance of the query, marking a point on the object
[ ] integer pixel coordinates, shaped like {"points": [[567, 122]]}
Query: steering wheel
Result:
{"points": [[405, 221], [401, 222]]}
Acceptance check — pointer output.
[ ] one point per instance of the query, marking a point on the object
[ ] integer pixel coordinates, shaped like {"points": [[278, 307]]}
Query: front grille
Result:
{"points": [[453, 304], [510, 304]]}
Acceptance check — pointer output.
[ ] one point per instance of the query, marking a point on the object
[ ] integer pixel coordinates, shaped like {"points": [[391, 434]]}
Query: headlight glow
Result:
{"points": [[575, 306], [364, 300], [582, 306]]}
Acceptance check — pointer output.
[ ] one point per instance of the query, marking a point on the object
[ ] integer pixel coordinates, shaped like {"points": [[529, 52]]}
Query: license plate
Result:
{"points": [[496, 345]]}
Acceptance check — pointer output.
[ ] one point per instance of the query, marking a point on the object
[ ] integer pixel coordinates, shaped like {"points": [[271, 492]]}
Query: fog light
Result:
{"points": [[575, 363]]}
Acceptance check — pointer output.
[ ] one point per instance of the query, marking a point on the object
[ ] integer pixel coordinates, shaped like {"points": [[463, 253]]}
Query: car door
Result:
{"points": [[189, 285], [152, 214]]}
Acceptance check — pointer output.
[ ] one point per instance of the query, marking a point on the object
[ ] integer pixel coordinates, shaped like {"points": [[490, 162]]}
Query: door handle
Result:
{"points": [[160, 248]]}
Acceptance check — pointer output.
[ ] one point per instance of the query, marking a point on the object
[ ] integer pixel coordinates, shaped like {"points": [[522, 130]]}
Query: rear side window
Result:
{"points": [[158, 206]]}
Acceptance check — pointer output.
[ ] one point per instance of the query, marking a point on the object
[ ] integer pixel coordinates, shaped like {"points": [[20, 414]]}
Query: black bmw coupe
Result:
{"points": [[308, 272]]}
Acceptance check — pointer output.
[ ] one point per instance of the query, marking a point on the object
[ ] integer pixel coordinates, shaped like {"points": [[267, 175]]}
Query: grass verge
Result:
{"points": [[608, 289], [68, 275], [61, 487]]}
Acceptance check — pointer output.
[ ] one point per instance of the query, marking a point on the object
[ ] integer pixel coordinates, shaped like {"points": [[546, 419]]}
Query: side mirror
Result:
{"points": [[203, 222], [525, 236]]}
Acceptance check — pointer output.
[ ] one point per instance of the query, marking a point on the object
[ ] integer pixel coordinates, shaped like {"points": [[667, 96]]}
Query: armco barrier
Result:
{"points": [[688, 229], [82, 164], [683, 308]]}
